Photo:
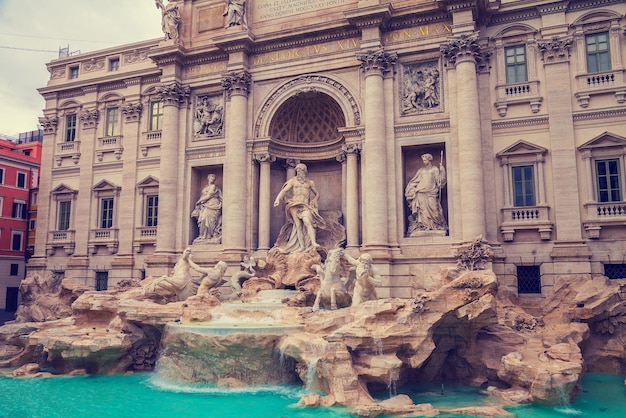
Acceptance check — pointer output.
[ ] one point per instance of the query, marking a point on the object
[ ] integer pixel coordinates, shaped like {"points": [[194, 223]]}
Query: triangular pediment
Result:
{"points": [[522, 147], [105, 185], [63, 189], [149, 181], [605, 140]]}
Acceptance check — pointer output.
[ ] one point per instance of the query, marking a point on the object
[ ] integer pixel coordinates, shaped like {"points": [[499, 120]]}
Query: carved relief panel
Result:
{"points": [[208, 119], [420, 89]]}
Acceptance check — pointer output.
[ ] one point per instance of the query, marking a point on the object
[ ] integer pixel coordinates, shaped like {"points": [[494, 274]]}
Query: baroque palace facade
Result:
{"points": [[520, 105]]}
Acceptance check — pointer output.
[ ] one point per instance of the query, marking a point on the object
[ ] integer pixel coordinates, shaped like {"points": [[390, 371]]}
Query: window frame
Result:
{"points": [[112, 121], [114, 64], [156, 117], [151, 212], [1, 175], [15, 234], [18, 209], [515, 65], [610, 188], [70, 129], [106, 213], [21, 180], [64, 215], [524, 185], [73, 72], [605, 53]]}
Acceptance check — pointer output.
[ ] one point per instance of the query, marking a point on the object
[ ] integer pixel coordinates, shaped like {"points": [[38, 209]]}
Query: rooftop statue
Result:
{"points": [[170, 19], [301, 211]]}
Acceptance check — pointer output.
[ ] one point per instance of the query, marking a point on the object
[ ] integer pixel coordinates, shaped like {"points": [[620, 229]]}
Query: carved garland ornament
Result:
{"points": [[308, 79]]}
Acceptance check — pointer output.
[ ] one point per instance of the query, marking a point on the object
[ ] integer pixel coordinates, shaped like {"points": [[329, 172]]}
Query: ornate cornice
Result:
{"points": [[173, 94], [556, 49], [601, 114], [218, 150], [417, 128], [49, 124], [521, 123], [559, 7], [377, 62], [131, 111], [237, 83], [369, 16]]}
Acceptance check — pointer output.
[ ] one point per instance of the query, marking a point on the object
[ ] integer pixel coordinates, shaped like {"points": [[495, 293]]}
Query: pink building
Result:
{"points": [[19, 174]]}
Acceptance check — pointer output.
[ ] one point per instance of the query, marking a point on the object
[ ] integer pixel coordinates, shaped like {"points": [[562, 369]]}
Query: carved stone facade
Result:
{"points": [[522, 120]]}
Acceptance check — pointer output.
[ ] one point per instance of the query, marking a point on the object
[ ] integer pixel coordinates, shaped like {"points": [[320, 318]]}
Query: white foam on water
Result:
{"points": [[168, 386]]}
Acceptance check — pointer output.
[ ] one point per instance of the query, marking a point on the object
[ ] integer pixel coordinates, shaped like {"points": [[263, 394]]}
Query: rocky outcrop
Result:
{"points": [[463, 331]]}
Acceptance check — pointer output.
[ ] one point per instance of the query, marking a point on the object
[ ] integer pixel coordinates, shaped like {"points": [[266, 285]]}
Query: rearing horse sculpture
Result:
{"points": [[334, 286]]}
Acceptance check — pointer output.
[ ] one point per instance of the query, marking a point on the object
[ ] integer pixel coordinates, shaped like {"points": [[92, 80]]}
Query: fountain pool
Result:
{"points": [[144, 395]]}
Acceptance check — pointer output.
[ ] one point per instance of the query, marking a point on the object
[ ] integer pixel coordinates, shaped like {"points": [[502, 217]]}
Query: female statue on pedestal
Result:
{"points": [[423, 193], [208, 211]]}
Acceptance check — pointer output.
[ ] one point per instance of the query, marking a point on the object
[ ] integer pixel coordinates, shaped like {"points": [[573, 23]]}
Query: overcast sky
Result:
{"points": [[28, 27]]}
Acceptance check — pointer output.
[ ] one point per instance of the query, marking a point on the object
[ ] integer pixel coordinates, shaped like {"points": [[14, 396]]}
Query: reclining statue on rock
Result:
{"points": [[335, 287], [180, 282], [367, 278]]}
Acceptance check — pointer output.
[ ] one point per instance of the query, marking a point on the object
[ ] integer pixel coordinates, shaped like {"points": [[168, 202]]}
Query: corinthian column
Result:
{"points": [[462, 53], [265, 160], [173, 96], [374, 157], [237, 86]]}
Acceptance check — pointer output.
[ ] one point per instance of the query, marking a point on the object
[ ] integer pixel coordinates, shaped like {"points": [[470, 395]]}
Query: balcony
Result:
{"points": [[107, 237], [146, 235], [601, 83], [61, 239], [526, 218], [67, 150], [109, 144], [149, 140], [601, 215], [518, 93]]}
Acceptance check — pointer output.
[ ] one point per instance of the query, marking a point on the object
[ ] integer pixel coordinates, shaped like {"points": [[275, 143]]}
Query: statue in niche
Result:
{"points": [[421, 90], [208, 212], [366, 280], [423, 193], [301, 211], [208, 118], [235, 13], [170, 19]]}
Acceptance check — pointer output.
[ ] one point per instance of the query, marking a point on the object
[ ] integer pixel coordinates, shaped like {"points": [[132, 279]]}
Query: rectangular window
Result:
{"points": [[1, 175], [16, 241], [523, 185], [111, 121], [106, 213], [598, 56], [156, 116], [70, 128], [34, 198], [32, 224], [114, 64], [608, 180], [615, 271], [152, 210], [14, 269], [18, 210], [528, 279], [21, 180], [102, 280], [516, 64], [64, 215], [73, 72]]}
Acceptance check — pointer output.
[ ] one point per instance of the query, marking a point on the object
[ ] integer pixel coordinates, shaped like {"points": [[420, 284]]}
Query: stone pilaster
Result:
{"points": [[237, 87], [264, 160], [173, 96], [464, 54], [352, 194], [374, 158]]}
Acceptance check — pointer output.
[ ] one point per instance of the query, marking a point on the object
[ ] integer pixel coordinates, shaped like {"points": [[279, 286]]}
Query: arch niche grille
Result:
{"points": [[307, 118]]}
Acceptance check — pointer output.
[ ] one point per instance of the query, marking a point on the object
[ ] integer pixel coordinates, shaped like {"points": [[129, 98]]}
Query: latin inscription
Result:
{"points": [[417, 32], [272, 9], [305, 51], [202, 69]]}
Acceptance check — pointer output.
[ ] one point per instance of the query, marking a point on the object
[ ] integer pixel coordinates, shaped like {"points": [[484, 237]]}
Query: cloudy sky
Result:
{"points": [[32, 31]]}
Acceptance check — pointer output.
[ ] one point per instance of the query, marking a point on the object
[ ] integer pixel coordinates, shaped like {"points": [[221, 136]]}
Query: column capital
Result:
{"points": [[264, 157], [291, 162], [465, 48], [131, 111], [351, 148], [377, 62], [49, 124], [173, 94], [89, 118], [237, 83], [556, 49]]}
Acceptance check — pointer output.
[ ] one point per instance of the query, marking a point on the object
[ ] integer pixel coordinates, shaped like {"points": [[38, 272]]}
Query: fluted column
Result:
{"points": [[173, 96], [462, 52], [264, 160], [352, 195], [374, 158], [237, 86]]}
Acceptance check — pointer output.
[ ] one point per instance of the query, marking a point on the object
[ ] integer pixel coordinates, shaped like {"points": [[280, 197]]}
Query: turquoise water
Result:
{"points": [[143, 395]]}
